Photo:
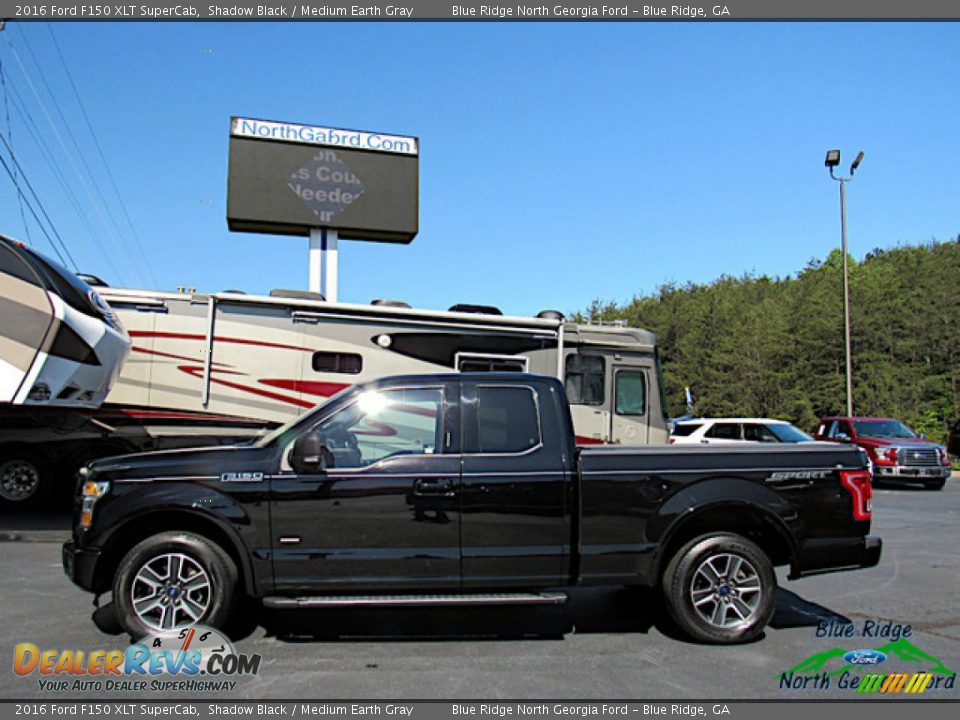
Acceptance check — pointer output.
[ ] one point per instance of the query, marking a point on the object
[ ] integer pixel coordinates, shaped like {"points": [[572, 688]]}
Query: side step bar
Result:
{"points": [[295, 603]]}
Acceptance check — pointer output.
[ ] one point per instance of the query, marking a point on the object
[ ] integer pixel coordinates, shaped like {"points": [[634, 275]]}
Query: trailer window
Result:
{"points": [[333, 362], [631, 393], [479, 363], [585, 377], [508, 418]]}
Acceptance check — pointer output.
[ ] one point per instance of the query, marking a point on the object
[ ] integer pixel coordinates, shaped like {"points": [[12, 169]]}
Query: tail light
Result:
{"points": [[858, 484], [671, 441]]}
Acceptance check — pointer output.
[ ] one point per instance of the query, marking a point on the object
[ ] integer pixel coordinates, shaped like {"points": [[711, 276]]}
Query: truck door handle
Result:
{"points": [[433, 488]]}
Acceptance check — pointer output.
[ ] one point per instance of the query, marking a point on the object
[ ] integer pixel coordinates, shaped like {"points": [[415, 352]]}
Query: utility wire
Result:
{"points": [[59, 138], [103, 159], [47, 155], [39, 202], [6, 105], [67, 126], [34, 212]]}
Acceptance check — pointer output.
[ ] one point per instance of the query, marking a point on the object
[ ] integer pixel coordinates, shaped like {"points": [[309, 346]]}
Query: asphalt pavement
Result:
{"points": [[602, 644]]}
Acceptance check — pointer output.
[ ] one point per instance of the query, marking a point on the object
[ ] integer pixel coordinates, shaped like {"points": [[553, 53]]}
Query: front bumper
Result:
{"points": [[910, 472], [823, 555], [80, 564]]}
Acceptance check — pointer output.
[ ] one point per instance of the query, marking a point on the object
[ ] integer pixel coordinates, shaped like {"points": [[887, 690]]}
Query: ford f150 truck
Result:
{"points": [[462, 489], [898, 454]]}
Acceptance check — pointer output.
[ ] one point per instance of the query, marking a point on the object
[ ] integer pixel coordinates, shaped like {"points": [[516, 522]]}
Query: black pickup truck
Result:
{"points": [[462, 489]]}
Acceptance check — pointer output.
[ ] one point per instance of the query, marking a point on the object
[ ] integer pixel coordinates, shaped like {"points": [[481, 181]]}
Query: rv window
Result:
{"points": [[494, 364], [508, 418], [332, 362], [585, 379], [631, 393]]}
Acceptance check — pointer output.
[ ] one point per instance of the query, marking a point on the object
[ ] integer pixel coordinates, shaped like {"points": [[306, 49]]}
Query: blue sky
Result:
{"points": [[560, 162]]}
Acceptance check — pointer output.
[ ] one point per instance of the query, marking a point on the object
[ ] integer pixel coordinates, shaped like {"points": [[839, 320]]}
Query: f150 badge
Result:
{"points": [[241, 477]]}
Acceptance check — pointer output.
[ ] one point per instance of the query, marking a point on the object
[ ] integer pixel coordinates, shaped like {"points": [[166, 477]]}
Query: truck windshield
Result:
{"points": [[883, 429]]}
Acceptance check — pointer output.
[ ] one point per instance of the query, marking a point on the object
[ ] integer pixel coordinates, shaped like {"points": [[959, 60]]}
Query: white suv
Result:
{"points": [[725, 431]]}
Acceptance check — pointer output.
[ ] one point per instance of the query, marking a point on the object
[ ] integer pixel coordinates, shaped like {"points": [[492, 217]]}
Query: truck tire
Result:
{"points": [[171, 580], [720, 589], [935, 484], [26, 478]]}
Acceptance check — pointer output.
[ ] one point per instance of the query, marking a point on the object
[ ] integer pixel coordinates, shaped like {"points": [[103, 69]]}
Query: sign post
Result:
{"points": [[324, 183]]}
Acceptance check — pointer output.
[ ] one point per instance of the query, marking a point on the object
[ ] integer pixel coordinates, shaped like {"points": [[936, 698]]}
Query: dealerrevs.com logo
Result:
{"points": [[184, 659], [896, 667]]}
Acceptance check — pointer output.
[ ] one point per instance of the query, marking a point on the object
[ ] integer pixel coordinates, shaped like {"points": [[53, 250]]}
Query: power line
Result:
{"points": [[6, 105], [47, 155], [34, 212], [60, 140], [103, 159]]}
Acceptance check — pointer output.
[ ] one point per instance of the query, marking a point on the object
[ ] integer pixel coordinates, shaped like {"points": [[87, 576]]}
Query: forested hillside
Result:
{"points": [[759, 346]]}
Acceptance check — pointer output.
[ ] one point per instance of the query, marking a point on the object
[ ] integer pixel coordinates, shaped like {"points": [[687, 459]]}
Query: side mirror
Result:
{"points": [[308, 455]]}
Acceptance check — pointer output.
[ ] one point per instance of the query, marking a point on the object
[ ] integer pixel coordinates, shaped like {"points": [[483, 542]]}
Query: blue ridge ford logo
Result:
{"points": [[864, 657]]}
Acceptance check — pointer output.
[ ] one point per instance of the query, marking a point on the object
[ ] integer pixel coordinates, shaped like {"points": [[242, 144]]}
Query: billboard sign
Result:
{"points": [[287, 178]]}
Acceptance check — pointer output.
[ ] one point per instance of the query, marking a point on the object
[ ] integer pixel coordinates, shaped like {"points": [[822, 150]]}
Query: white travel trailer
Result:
{"points": [[219, 368]]}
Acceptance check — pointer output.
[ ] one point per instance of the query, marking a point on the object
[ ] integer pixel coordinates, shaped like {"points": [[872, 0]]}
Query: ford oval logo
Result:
{"points": [[864, 657]]}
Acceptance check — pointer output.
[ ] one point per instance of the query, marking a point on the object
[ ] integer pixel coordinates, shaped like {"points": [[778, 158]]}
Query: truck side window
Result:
{"points": [[585, 375], [508, 417], [631, 393], [381, 424]]}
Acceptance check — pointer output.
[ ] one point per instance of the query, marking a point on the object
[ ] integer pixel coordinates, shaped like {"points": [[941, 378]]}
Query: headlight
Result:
{"points": [[92, 491], [886, 454]]}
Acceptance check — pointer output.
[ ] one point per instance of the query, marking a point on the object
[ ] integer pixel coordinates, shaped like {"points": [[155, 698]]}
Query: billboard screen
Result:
{"points": [[286, 178]]}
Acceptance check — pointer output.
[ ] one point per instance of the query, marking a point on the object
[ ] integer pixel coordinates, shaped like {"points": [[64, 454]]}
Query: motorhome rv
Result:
{"points": [[220, 368]]}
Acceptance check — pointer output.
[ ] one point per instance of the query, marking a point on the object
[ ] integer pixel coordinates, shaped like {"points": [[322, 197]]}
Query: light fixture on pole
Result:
{"points": [[833, 160]]}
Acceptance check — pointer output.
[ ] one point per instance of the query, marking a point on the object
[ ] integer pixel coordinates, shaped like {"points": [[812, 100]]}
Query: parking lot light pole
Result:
{"points": [[833, 160]]}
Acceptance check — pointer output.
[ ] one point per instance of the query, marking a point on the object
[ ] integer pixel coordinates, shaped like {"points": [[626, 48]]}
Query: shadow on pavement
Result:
{"points": [[793, 611]]}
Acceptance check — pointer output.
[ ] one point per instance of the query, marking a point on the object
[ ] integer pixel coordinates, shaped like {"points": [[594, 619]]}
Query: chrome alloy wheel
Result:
{"points": [[19, 480], [726, 590], [171, 590]]}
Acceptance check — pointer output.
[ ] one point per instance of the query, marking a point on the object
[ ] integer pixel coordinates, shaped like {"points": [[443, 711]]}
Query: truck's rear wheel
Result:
{"points": [[171, 580], [25, 478], [720, 589]]}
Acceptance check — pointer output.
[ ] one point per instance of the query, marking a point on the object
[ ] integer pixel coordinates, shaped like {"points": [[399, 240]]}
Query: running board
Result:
{"points": [[294, 603]]}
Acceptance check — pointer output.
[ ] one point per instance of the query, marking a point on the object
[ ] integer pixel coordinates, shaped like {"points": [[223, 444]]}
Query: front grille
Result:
{"points": [[917, 457]]}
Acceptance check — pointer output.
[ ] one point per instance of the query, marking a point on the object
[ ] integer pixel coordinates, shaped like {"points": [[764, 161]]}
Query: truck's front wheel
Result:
{"points": [[171, 580], [720, 589]]}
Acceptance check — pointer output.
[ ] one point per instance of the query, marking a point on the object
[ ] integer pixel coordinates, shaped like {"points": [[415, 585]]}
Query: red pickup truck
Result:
{"points": [[896, 451]]}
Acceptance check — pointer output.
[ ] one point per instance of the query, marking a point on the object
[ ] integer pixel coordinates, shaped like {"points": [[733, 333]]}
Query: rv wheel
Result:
{"points": [[25, 478]]}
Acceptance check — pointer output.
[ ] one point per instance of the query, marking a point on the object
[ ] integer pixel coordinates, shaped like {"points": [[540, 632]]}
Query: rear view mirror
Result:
{"points": [[308, 454], [841, 437]]}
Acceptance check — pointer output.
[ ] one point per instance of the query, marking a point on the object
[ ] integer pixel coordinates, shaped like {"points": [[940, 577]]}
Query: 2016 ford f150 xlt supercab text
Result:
{"points": [[462, 489]]}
